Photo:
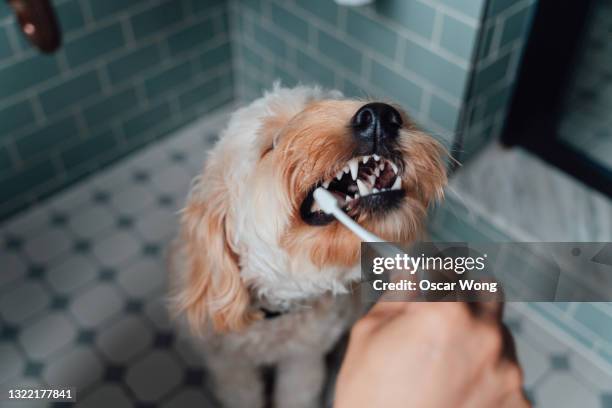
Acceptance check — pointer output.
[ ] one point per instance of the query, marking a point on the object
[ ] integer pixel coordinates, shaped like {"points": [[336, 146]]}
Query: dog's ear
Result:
{"points": [[211, 291]]}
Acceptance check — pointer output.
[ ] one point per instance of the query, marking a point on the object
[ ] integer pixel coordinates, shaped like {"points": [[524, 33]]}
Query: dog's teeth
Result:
{"points": [[394, 167], [372, 180], [339, 174], [375, 190], [326, 184], [397, 184], [346, 169], [363, 189], [382, 166], [376, 157], [365, 159], [348, 199], [315, 207], [376, 172], [354, 166], [383, 189]]}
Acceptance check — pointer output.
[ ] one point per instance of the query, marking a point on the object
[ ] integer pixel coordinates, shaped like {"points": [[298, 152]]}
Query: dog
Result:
{"points": [[260, 274]]}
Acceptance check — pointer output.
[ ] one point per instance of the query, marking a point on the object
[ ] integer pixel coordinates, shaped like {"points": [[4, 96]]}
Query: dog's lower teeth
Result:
{"points": [[363, 189], [397, 184]]}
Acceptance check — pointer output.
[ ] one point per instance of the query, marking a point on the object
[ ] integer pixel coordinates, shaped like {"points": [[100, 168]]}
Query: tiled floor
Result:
{"points": [[82, 286]]}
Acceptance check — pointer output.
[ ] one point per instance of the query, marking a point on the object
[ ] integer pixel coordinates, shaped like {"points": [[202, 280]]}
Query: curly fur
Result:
{"points": [[243, 244]]}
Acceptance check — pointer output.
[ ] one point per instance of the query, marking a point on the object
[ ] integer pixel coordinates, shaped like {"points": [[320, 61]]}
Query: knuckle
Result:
{"points": [[363, 327]]}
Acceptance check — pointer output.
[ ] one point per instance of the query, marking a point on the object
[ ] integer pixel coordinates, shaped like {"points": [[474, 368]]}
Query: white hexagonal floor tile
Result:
{"points": [[116, 248], [12, 267], [47, 245], [12, 360], [154, 376], [72, 273], [79, 367], [47, 335], [124, 339], [23, 300], [97, 304], [143, 277]]}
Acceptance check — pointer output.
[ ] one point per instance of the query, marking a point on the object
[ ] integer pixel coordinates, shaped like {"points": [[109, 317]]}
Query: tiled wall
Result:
{"points": [[501, 42], [128, 72], [416, 52]]}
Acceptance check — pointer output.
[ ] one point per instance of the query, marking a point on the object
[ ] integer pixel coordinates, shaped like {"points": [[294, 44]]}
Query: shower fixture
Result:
{"points": [[38, 23]]}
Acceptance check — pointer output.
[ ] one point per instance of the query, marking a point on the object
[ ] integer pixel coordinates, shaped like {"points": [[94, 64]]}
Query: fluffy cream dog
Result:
{"points": [[261, 274]]}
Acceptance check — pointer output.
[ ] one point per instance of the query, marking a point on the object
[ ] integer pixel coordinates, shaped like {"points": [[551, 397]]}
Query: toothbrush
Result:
{"points": [[329, 205]]}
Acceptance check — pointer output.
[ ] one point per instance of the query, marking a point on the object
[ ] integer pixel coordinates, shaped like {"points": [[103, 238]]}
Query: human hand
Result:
{"points": [[434, 355]]}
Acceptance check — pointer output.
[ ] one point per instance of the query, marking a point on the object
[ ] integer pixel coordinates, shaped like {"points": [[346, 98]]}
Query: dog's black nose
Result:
{"points": [[375, 124]]}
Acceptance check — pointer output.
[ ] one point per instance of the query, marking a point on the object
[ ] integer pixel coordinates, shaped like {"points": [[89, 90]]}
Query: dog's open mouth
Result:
{"points": [[370, 184]]}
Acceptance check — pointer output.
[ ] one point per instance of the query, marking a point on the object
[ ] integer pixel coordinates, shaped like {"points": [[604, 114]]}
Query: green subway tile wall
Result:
{"points": [[128, 72], [502, 37], [415, 52]]}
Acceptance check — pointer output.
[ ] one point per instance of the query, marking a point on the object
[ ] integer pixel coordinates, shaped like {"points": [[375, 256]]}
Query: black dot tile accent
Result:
{"points": [[163, 340], [13, 243], [141, 176], [33, 369], [107, 274], [194, 377], [58, 219], [177, 156], [133, 306], [86, 337], [81, 246], [151, 249], [559, 362], [36, 271], [9, 332], [101, 197], [125, 221], [165, 200], [114, 373], [59, 302]]}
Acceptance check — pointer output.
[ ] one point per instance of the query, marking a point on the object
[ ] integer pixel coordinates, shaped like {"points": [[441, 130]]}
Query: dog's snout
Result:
{"points": [[376, 123]]}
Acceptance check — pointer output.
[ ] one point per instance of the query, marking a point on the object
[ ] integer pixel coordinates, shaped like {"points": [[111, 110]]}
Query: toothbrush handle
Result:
{"points": [[361, 232]]}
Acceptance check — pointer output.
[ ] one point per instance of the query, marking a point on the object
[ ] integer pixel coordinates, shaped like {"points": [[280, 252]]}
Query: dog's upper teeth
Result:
{"points": [[376, 157], [346, 169], [339, 174], [394, 167], [354, 167], [348, 199], [372, 180], [375, 190], [381, 166], [397, 184], [365, 159], [363, 188], [326, 184], [377, 172]]}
